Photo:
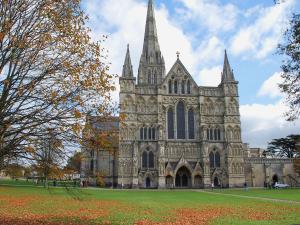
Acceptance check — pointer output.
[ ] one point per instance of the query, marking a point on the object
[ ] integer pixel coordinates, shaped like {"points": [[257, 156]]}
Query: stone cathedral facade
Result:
{"points": [[177, 133]]}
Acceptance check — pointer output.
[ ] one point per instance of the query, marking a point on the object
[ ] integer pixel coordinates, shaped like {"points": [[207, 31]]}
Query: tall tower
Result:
{"points": [[232, 124], [127, 126], [152, 64]]}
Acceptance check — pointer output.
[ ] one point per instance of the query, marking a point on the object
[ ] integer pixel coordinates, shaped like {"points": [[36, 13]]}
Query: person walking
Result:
{"points": [[212, 186]]}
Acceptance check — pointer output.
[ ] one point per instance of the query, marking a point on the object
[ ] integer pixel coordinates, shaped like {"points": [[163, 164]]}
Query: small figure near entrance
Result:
{"points": [[212, 186], [245, 186]]}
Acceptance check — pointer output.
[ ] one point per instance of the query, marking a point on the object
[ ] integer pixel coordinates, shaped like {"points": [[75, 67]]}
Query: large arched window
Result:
{"points": [[154, 78], [147, 159], [212, 160], [144, 160], [180, 121], [217, 160], [170, 87], [188, 87], [183, 87], [175, 87], [191, 124], [151, 160], [170, 124]]}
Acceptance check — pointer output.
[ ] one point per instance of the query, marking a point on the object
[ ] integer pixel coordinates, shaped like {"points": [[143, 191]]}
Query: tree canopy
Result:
{"points": [[291, 67], [284, 147], [51, 74]]}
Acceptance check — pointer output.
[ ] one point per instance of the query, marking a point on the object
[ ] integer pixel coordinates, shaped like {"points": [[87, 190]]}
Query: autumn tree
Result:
{"points": [[51, 75], [14, 170], [74, 162], [291, 67], [48, 156], [284, 147]]}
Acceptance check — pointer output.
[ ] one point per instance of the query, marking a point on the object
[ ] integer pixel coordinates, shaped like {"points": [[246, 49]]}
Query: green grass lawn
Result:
{"points": [[56, 206], [285, 194]]}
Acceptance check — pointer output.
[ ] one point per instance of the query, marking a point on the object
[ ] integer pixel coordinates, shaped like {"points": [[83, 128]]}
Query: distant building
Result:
{"points": [[102, 161], [179, 134]]}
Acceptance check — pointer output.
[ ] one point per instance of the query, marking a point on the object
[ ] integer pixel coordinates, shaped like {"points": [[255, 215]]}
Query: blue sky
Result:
{"points": [[201, 29]]}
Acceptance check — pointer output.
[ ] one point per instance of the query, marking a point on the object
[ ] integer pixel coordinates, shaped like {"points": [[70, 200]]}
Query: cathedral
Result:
{"points": [[177, 134]]}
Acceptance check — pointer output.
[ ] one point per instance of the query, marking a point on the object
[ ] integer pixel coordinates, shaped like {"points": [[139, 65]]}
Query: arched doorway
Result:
{"points": [[169, 181], [148, 182], [183, 178], [216, 182], [198, 181], [275, 179]]}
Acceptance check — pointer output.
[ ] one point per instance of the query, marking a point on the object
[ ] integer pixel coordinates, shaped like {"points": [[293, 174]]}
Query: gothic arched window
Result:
{"points": [[153, 133], [219, 134], [145, 133], [149, 133], [217, 160], [144, 160], [151, 160], [141, 133], [170, 87], [216, 134], [175, 87], [155, 78], [189, 87], [170, 124], [211, 160], [183, 87], [180, 121], [191, 123], [211, 134]]}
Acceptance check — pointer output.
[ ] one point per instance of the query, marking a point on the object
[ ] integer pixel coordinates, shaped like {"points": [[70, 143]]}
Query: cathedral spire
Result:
{"points": [[151, 45], [152, 66], [227, 74], [127, 67]]}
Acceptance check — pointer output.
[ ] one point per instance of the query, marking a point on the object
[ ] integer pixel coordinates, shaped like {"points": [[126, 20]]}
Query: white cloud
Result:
{"points": [[210, 51], [261, 38], [262, 123], [210, 76], [209, 13], [270, 86]]}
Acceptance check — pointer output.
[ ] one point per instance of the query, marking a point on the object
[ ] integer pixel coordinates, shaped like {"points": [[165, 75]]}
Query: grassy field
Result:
{"points": [[74, 206]]}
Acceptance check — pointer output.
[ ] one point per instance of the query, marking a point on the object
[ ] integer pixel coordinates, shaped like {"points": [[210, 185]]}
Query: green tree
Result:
{"points": [[291, 67], [284, 147]]}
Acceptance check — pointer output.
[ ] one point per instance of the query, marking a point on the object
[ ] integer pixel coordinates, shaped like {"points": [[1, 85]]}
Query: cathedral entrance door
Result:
{"points": [[148, 182], [183, 178], [216, 182]]}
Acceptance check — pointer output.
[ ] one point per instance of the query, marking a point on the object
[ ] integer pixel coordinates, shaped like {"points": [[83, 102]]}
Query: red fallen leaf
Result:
{"points": [[1, 36]]}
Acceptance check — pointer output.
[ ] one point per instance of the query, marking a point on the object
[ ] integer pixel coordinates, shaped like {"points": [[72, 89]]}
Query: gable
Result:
{"points": [[179, 74]]}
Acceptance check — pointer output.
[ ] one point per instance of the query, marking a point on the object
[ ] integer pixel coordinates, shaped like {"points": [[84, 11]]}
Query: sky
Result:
{"points": [[201, 30]]}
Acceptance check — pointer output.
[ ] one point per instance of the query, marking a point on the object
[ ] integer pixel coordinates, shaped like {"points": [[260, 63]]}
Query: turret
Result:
{"points": [[127, 67], [227, 75]]}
